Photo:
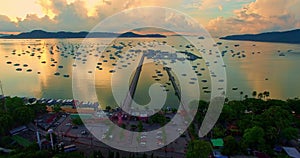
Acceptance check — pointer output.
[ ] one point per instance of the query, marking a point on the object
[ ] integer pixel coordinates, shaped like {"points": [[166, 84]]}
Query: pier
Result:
{"points": [[172, 79], [126, 105]]}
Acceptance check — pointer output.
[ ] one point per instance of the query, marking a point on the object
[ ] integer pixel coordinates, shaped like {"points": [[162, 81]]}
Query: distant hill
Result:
{"points": [[40, 34], [280, 37], [134, 35]]}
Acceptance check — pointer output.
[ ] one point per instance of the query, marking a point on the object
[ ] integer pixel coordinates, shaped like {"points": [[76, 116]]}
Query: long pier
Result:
{"points": [[128, 100], [176, 89], [172, 79]]}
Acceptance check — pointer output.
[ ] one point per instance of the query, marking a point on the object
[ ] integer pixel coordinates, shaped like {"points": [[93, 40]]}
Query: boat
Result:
{"points": [[281, 54], [19, 69], [234, 88]]}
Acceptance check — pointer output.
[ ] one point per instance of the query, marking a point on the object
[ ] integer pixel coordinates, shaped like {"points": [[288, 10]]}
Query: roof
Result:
{"points": [[217, 142], [292, 152]]}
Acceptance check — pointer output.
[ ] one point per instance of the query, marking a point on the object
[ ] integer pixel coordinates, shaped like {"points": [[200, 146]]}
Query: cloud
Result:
{"points": [[75, 16], [258, 16], [6, 25]]}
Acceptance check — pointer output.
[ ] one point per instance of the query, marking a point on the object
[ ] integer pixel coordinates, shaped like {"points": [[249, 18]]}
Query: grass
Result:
{"points": [[22, 141]]}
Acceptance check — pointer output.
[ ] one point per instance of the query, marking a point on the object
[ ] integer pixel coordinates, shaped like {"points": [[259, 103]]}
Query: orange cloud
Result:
{"points": [[258, 16]]}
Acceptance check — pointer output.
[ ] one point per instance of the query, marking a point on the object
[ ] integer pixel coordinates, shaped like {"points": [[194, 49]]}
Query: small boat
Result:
{"points": [[19, 69], [281, 54]]}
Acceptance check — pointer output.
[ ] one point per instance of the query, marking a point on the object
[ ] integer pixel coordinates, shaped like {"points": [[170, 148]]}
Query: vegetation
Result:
{"points": [[77, 121], [198, 149], [254, 123], [251, 124], [18, 113]]}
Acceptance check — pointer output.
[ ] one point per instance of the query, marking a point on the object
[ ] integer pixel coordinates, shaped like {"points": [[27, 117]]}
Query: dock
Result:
{"points": [[132, 88]]}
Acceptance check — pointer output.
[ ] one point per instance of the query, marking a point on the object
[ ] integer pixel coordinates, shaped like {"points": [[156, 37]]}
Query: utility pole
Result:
{"points": [[4, 103]]}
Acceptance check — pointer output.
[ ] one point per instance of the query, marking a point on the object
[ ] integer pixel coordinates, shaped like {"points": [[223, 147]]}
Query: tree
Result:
{"points": [[198, 149], [294, 104], [218, 132], [39, 108], [140, 126], [267, 94], [56, 108], [23, 114], [108, 108], [260, 95], [254, 138], [6, 122], [289, 133], [254, 93], [77, 121], [277, 117], [241, 93], [231, 147]]}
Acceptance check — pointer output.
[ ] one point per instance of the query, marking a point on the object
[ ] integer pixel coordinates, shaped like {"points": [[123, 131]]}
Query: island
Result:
{"points": [[291, 37], [40, 34]]}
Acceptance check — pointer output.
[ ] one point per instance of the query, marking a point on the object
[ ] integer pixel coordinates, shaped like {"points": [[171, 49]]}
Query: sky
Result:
{"points": [[218, 17]]}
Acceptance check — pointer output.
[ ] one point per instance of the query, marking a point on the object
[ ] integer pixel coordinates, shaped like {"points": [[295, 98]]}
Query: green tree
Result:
{"points": [[218, 132], [231, 147], [140, 126], [6, 122], [23, 114], [294, 104], [289, 133], [260, 95], [56, 108], [254, 93], [77, 121], [254, 138], [198, 149], [277, 117], [39, 108]]}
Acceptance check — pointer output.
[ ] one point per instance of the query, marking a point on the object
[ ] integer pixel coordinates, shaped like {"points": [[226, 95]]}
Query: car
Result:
{"points": [[143, 143], [158, 137], [74, 127], [68, 124], [83, 132], [110, 136]]}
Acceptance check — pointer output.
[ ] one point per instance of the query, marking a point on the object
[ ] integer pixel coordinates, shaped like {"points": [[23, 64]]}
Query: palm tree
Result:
{"points": [[266, 94], [260, 95], [254, 93], [241, 93]]}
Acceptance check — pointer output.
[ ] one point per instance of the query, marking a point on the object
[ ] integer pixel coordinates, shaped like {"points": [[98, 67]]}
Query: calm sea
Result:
{"points": [[43, 68]]}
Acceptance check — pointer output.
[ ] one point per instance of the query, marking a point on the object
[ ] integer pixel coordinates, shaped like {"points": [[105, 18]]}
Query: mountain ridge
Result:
{"points": [[41, 34], [291, 36]]}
